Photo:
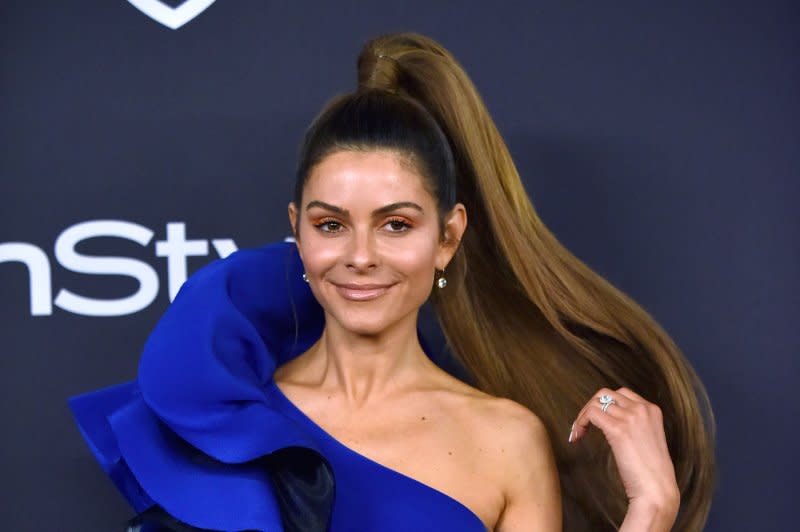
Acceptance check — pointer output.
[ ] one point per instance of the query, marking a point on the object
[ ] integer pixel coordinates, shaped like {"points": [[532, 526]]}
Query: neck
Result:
{"points": [[365, 368]]}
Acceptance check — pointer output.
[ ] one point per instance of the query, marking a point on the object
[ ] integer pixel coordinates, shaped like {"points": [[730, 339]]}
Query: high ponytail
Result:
{"points": [[529, 320]]}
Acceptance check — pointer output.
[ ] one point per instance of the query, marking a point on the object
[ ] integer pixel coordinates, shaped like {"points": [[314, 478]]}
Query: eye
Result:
{"points": [[398, 225], [329, 226]]}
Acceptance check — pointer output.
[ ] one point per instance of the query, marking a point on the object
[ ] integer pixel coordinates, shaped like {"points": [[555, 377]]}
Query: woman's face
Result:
{"points": [[369, 238]]}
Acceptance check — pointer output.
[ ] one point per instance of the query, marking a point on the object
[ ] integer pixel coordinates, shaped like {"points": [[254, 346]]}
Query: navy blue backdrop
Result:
{"points": [[658, 142]]}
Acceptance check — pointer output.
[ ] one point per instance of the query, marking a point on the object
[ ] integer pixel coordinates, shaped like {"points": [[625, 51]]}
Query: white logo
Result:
{"points": [[175, 248], [171, 17]]}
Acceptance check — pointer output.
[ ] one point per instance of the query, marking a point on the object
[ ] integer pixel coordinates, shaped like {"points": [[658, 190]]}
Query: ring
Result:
{"points": [[606, 400]]}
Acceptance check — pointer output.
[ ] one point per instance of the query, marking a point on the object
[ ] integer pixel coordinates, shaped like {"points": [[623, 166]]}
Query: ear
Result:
{"points": [[455, 223], [293, 220]]}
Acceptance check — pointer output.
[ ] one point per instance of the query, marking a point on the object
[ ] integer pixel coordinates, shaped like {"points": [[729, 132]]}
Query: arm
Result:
{"points": [[655, 516], [533, 493], [634, 429]]}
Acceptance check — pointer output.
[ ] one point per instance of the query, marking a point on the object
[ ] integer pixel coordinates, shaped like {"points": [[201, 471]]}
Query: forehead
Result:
{"points": [[366, 174]]}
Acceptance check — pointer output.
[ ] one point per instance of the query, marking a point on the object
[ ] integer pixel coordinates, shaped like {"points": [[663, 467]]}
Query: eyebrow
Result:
{"points": [[377, 212]]}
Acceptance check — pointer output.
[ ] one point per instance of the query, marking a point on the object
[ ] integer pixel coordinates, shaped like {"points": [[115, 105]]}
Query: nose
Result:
{"points": [[361, 252]]}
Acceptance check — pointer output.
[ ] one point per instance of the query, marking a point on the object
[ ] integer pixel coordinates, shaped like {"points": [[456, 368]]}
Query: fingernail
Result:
{"points": [[571, 431]]}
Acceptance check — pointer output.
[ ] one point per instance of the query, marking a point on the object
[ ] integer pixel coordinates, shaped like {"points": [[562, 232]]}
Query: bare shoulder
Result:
{"points": [[522, 426], [508, 423], [512, 430], [518, 457]]}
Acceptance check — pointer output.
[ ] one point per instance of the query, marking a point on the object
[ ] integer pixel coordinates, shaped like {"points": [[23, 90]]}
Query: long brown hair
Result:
{"points": [[527, 319]]}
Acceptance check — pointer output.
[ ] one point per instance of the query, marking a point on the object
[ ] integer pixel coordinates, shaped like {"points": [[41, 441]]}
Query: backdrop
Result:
{"points": [[659, 143]]}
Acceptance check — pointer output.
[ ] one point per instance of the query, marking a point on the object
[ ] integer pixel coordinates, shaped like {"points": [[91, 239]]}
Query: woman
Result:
{"points": [[289, 386]]}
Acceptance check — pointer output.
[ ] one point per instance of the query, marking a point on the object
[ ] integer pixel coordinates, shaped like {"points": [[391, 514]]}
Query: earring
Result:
{"points": [[305, 277], [441, 282]]}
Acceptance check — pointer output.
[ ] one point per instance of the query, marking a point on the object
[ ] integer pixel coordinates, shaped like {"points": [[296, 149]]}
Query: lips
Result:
{"points": [[361, 292]]}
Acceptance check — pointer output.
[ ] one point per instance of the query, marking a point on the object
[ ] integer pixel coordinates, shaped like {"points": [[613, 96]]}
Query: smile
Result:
{"points": [[365, 292]]}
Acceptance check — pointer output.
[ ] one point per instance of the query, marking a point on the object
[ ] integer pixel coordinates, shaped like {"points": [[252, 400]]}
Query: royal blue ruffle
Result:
{"points": [[185, 433]]}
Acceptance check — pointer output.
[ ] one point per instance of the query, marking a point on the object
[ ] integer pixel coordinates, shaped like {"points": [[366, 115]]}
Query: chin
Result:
{"points": [[364, 327], [367, 321], [365, 331]]}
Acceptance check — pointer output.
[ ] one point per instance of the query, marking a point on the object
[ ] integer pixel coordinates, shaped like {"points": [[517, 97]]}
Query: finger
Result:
{"points": [[580, 425], [594, 415], [594, 402]]}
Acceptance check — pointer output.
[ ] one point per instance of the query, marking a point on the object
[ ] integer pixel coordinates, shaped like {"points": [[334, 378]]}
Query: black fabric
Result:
{"points": [[304, 488]]}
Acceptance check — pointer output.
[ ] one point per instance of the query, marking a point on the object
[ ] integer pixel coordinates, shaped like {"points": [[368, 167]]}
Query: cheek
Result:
{"points": [[320, 253], [417, 260], [319, 256]]}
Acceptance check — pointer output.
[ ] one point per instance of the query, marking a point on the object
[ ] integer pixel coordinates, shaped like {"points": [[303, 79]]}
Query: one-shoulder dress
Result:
{"points": [[203, 438]]}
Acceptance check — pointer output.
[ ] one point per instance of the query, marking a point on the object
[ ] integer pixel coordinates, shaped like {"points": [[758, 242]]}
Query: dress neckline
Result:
{"points": [[317, 428]]}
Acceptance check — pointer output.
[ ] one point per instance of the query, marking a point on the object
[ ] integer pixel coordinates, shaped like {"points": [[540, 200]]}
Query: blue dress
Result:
{"points": [[206, 436]]}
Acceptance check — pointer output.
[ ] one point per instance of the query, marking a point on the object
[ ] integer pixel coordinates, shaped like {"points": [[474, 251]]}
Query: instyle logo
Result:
{"points": [[171, 17], [175, 248]]}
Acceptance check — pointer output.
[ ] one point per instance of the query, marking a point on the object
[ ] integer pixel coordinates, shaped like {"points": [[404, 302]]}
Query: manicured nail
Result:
{"points": [[571, 432]]}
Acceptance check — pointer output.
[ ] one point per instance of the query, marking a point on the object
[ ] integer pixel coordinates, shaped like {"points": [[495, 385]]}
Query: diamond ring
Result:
{"points": [[606, 400]]}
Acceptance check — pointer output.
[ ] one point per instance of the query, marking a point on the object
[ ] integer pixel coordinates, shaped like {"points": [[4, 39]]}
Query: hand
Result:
{"points": [[634, 429]]}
